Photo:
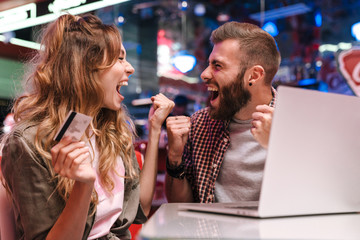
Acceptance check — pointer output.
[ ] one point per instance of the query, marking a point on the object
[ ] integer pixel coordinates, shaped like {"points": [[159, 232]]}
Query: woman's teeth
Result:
{"points": [[120, 85]]}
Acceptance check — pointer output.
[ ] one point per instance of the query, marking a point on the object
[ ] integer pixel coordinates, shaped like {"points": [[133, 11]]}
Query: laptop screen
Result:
{"points": [[313, 160]]}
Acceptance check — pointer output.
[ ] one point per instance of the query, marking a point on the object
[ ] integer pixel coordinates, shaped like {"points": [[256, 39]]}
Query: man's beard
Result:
{"points": [[232, 98]]}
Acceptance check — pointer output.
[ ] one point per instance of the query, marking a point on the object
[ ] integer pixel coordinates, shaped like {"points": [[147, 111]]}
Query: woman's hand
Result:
{"points": [[162, 106], [71, 160]]}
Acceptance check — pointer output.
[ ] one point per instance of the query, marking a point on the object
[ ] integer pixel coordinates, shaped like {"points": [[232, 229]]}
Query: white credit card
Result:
{"points": [[74, 126]]}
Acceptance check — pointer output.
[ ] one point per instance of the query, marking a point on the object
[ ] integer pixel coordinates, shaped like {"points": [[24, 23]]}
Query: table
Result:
{"points": [[170, 223]]}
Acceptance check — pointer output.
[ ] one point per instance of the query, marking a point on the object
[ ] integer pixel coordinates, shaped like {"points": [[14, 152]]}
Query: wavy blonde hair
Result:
{"points": [[65, 78]]}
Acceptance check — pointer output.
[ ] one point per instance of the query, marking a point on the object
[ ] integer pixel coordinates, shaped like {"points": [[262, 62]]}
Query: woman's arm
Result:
{"points": [[42, 212], [71, 222], [162, 106], [71, 160]]}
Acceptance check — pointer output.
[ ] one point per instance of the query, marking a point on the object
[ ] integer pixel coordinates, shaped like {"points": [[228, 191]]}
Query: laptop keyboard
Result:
{"points": [[243, 205]]}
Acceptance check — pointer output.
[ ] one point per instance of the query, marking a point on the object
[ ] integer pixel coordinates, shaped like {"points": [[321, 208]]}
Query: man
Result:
{"points": [[219, 156]]}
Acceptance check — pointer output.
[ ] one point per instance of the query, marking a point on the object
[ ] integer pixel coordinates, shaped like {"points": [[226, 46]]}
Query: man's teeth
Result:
{"points": [[212, 89]]}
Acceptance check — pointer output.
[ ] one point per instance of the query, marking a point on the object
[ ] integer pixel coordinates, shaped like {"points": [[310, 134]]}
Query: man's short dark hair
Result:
{"points": [[256, 46]]}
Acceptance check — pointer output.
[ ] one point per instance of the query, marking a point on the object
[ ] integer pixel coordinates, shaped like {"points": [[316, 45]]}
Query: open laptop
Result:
{"points": [[313, 160]]}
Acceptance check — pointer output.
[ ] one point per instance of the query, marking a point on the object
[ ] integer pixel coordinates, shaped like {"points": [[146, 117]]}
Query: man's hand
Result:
{"points": [[178, 129], [261, 124]]}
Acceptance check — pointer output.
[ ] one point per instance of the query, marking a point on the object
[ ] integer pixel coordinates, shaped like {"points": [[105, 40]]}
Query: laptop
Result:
{"points": [[313, 159]]}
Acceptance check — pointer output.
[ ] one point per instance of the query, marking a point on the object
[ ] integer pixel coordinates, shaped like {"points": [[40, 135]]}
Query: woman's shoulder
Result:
{"points": [[20, 139], [25, 131]]}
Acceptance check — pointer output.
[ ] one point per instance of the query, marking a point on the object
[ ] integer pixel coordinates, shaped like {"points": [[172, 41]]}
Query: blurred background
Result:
{"points": [[167, 42]]}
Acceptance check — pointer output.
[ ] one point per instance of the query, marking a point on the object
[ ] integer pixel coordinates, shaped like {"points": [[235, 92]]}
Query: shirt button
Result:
{"points": [[226, 140], [214, 165]]}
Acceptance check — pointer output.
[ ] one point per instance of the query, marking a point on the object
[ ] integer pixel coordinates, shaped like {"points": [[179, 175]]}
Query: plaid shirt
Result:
{"points": [[204, 152]]}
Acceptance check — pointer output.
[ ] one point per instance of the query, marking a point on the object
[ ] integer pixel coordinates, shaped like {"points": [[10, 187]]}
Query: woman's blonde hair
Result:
{"points": [[65, 78]]}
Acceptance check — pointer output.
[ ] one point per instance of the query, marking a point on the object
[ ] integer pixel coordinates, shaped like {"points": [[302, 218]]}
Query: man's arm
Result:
{"points": [[177, 188]]}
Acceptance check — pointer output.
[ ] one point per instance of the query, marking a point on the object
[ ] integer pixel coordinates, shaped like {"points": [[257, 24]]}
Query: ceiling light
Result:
{"points": [[20, 42], [24, 43], [282, 12], [33, 21]]}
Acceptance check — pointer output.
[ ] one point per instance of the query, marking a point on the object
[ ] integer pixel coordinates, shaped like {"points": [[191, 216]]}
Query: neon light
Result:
{"points": [[334, 48], [307, 81], [355, 31], [24, 43], [271, 28], [344, 46], [18, 14], [291, 10], [184, 62], [318, 19], [59, 5], [30, 22]]}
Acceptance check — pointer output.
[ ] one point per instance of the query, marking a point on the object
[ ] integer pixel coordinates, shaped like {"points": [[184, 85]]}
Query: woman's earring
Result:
{"points": [[250, 84]]}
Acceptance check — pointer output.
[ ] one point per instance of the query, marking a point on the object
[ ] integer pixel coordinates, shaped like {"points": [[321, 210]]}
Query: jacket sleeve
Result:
{"points": [[35, 200]]}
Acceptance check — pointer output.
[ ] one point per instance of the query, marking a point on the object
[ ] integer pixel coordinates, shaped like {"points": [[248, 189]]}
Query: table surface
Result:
{"points": [[170, 223]]}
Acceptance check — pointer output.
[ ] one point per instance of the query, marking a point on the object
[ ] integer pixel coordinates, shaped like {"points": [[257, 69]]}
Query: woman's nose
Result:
{"points": [[129, 68]]}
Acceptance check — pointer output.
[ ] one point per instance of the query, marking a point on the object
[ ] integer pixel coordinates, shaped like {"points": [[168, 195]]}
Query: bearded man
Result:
{"points": [[218, 154]]}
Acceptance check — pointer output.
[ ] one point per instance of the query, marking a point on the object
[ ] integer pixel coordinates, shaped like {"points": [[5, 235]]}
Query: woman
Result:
{"points": [[87, 189]]}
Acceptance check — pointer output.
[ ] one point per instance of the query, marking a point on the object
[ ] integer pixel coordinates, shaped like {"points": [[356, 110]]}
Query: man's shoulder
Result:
{"points": [[201, 121], [202, 113]]}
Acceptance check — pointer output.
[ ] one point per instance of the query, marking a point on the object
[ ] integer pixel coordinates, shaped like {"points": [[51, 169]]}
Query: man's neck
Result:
{"points": [[264, 96]]}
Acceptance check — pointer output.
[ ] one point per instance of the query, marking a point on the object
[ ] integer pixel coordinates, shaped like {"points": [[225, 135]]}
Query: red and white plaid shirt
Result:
{"points": [[204, 152]]}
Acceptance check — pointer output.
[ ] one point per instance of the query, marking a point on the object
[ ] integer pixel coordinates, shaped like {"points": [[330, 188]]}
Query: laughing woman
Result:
{"points": [[87, 189]]}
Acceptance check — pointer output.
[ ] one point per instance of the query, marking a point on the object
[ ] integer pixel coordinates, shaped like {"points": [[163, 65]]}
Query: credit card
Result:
{"points": [[74, 126]]}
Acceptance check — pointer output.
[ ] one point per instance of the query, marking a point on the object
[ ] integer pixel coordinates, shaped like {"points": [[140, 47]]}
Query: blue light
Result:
{"points": [[199, 9], [183, 61], [184, 5], [271, 28], [318, 19], [307, 82], [120, 20], [355, 31]]}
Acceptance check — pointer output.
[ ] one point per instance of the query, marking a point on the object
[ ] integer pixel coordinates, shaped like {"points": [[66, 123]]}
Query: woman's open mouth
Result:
{"points": [[120, 84]]}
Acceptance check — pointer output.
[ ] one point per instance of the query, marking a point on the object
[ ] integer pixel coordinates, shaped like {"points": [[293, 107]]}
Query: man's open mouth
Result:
{"points": [[214, 93]]}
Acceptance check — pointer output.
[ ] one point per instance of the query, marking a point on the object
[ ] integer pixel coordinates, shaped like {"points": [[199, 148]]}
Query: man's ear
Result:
{"points": [[256, 73]]}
